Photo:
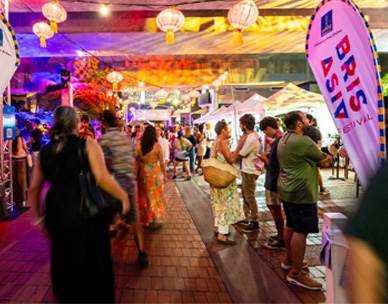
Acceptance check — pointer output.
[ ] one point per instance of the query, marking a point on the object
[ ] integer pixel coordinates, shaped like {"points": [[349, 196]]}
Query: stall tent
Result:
{"points": [[292, 98], [253, 105]]}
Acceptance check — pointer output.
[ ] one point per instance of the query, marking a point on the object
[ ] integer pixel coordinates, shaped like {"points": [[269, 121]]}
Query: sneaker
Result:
{"points": [[253, 226], [324, 191], [275, 244], [243, 222], [142, 258], [303, 280], [273, 238], [174, 177], [188, 178], [288, 265]]}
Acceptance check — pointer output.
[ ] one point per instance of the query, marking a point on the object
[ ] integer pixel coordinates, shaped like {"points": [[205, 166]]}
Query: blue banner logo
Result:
{"points": [[9, 122], [326, 23]]}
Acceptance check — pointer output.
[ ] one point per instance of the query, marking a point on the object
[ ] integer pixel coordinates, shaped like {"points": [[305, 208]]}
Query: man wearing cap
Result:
{"points": [[35, 140]]}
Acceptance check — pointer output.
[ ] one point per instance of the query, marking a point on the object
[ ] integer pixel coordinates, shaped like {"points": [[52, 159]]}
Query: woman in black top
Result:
{"points": [[81, 265]]}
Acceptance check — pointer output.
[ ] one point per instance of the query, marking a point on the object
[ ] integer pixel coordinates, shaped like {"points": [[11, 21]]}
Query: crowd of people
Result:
{"points": [[131, 164]]}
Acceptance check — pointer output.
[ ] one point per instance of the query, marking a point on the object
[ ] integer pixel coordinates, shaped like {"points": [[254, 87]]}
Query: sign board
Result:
{"points": [[9, 122], [343, 57]]}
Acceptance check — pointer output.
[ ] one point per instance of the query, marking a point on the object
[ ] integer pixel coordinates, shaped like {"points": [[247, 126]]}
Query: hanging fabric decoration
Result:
{"points": [[170, 20], [114, 78], [161, 94], [43, 31], [242, 15], [54, 12]]}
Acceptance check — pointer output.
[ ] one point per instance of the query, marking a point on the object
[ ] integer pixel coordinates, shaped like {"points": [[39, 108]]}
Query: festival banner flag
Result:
{"points": [[343, 57], [9, 53]]}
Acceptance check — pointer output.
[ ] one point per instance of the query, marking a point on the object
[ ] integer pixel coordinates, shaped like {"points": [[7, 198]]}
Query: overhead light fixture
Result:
{"points": [[104, 10], [80, 53], [141, 84]]}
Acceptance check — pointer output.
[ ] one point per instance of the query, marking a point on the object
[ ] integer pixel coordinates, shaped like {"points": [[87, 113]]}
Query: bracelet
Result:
{"points": [[38, 221]]}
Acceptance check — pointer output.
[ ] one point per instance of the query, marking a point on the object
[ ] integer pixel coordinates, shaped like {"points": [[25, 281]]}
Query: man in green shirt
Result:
{"points": [[298, 189]]}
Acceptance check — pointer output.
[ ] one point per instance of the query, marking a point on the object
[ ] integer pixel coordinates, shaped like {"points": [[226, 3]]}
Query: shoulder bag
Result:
{"points": [[94, 200], [218, 174]]}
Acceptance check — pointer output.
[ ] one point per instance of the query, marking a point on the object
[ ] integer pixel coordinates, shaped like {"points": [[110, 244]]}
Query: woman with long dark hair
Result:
{"points": [[19, 170], [81, 264], [149, 168]]}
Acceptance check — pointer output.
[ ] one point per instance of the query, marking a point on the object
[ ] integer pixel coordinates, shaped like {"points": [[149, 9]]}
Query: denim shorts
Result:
{"points": [[303, 218]]}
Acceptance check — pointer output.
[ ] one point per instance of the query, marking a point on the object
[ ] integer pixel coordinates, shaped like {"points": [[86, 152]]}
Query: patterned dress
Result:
{"points": [[226, 201], [152, 203]]}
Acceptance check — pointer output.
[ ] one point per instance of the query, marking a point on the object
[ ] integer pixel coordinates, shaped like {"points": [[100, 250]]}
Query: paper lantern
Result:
{"points": [[170, 20], [114, 78], [217, 84], [186, 98], [161, 94], [222, 78], [54, 12], [43, 31], [153, 105], [193, 94], [242, 15]]}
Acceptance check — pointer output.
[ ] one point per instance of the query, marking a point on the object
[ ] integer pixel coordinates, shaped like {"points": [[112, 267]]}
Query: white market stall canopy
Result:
{"points": [[252, 105], [293, 97], [230, 112], [210, 115]]}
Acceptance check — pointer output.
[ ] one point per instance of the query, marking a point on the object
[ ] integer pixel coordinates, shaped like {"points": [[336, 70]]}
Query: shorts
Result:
{"points": [[180, 159], [303, 218], [133, 215], [272, 198]]}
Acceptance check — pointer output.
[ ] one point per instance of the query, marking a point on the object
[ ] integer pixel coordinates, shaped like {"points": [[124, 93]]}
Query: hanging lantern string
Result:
{"points": [[148, 5], [98, 58]]}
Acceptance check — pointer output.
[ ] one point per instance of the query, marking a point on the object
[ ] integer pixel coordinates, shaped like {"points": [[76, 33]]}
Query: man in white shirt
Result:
{"points": [[164, 144], [249, 172], [209, 140]]}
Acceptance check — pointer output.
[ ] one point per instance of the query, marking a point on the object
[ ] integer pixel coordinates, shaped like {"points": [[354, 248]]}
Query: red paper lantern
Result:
{"points": [[43, 31], [54, 12], [242, 15], [170, 20]]}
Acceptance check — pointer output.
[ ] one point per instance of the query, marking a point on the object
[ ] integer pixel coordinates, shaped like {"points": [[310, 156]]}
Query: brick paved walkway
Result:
{"points": [[180, 269]]}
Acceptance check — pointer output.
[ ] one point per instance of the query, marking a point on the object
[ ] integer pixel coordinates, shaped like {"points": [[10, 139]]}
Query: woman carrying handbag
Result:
{"points": [[81, 264], [225, 202]]}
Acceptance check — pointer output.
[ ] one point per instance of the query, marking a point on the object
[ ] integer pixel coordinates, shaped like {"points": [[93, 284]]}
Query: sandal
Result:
{"points": [[226, 242]]}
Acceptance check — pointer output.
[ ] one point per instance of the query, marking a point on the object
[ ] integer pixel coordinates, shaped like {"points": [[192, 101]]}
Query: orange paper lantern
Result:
{"points": [[114, 78], [54, 12], [242, 15], [170, 20], [43, 31]]}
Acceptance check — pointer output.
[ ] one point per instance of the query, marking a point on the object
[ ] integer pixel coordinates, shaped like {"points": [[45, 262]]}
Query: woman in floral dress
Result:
{"points": [[151, 174], [226, 205]]}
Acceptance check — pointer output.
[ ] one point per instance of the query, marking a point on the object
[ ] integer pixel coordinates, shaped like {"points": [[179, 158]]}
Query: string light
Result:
{"points": [[104, 10]]}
